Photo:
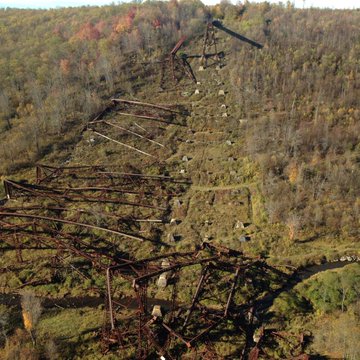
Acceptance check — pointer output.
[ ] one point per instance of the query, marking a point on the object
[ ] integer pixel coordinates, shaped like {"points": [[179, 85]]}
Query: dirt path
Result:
{"points": [[222, 187]]}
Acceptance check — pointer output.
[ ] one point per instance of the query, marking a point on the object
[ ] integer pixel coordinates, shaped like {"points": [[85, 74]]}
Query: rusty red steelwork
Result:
{"points": [[187, 323], [66, 194], [173, 62], [141, 274], [101, 170], [57, 220], [178, 45], [155, 106]]}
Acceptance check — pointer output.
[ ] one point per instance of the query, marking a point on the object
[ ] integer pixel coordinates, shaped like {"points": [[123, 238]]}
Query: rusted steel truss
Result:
{"points": [[213, 272], [168, 114], [123, 110], [210, 41], [46, 215], [186, 324], [46, 173], [176, 324], [295, 343], [210, 50], [176, 66], [111, 195], [76, 208]]}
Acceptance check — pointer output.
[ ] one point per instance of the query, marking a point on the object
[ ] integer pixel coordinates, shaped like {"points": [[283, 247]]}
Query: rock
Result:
{"points": [[243, 121], [197, 92], [156, 311], [201, 68], [244, 238], [177, 203], [198, 83], [229, 142], [223, 106], [165, 264], [218, 67], [182, 171], [224, 115], [239, 225], [221, 93], [171, 238], [258, 335], [185, 158], [91, 141], [162, 281], [250, 316]]}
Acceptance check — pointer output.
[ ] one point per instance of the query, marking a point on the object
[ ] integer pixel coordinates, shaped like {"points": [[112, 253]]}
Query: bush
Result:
{"points": [[333, 290]]}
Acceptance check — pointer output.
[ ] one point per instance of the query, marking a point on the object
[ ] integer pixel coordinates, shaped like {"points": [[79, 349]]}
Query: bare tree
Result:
{"points": [[293, 222]]}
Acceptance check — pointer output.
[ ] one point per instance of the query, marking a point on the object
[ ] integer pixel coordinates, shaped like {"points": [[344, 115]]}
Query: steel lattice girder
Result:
{"points": [[142, 272]]}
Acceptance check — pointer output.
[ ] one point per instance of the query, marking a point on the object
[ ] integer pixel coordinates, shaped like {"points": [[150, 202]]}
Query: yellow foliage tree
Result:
{"points": [[293, 173], [31, 311], [28, 323]]}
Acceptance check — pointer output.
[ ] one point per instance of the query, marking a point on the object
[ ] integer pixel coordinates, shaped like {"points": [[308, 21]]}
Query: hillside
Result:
{"points": [[259, 155]]}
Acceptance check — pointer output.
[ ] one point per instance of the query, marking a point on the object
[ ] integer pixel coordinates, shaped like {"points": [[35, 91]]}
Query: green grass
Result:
{"points": [[70, 323]]}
